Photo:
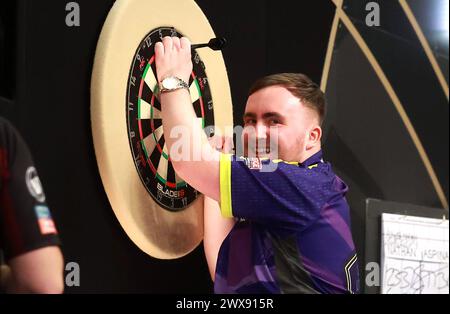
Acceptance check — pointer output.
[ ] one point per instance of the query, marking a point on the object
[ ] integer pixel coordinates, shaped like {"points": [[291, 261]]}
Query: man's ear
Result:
{"points": [[314, 137]]}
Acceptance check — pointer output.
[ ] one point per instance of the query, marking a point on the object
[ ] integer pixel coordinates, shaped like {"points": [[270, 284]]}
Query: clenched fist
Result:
{"points": [[173, 58]]}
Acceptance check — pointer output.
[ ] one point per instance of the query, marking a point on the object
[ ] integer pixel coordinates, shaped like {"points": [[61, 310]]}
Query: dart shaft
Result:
{"points": [[198, 46], [214, 44]]}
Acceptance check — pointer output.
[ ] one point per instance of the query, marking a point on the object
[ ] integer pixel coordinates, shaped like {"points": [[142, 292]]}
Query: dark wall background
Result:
{"points": [[45, 70]]}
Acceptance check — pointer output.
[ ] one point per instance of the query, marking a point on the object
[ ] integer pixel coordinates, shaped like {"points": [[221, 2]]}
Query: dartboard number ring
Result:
{"points": [[145, 131]]}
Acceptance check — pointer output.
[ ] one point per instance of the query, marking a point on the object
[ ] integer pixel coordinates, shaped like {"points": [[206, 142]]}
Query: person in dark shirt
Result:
{"points": [[28, 237]]}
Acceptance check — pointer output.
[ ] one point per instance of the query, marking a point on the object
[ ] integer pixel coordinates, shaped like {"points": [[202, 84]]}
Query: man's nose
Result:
{"points": [[261, 131]]}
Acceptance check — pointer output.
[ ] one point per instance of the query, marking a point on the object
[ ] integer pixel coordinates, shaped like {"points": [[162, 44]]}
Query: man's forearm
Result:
{"points": [[181, 124], [192, 156]]}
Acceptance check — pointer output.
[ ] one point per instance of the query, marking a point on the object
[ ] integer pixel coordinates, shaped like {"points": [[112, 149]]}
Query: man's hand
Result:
{"points": [[173, 58]]}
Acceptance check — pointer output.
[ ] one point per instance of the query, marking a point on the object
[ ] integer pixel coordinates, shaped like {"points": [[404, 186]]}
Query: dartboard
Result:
{"points": [[145, 130], [156, 208]]}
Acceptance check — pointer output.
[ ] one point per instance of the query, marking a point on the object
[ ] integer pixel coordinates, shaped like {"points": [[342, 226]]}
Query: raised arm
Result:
{"points": [[192, 157]]}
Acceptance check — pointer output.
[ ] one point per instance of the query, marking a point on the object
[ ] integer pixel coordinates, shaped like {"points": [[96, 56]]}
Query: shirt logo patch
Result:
{"points": [[45, 221], [253, 163], [34, 184]]}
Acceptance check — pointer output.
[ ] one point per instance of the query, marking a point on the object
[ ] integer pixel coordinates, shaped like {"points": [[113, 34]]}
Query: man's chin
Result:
{"points": [[259, 155], [264, 156]]}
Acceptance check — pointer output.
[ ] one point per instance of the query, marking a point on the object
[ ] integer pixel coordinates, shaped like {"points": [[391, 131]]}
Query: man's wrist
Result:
{"points": [[172, 83]]}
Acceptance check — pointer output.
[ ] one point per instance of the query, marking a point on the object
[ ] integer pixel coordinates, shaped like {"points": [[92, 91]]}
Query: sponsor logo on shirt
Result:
{"points": [[253, 163], [34, 184], [45, 221]]}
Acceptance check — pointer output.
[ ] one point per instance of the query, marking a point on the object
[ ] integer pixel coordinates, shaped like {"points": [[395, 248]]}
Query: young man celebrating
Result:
{"points": [[292, 228]]}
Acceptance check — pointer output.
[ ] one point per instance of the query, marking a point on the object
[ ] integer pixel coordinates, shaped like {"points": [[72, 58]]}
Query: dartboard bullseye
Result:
{"points": [[145, 130]]}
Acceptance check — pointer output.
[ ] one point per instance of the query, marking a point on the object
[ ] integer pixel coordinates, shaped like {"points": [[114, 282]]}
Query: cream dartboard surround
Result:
{"points": [[158, 210]]}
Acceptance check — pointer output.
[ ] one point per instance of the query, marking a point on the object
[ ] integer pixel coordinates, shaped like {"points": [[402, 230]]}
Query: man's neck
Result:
{"points": [[309, 153]]}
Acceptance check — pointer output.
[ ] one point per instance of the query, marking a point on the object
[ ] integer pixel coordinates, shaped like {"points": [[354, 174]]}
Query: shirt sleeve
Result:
{"points": [[26, 223], [275, 193]]}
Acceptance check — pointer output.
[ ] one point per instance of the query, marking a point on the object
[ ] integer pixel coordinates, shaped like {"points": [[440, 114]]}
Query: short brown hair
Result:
{"points": [[300, 86]]}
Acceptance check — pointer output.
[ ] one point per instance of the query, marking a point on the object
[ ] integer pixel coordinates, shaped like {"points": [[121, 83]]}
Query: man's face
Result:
{"points": [[277, 125]]}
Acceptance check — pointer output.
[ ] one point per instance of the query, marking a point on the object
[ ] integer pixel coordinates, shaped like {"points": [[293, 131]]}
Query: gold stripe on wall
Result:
{"points": [[425, 46], [396, 101], [329, 55]]}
